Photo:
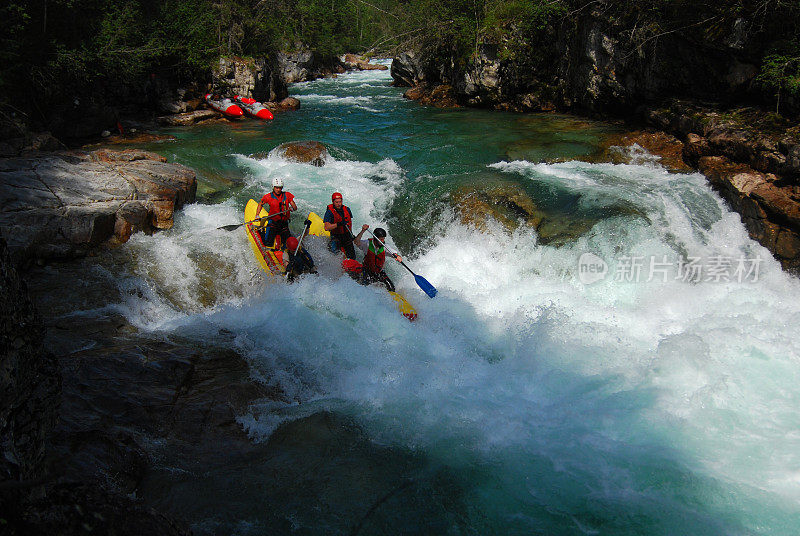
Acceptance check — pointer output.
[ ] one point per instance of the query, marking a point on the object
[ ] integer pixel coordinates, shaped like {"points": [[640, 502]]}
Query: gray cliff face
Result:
{"points": [[586, 64], [307, 65], [259, 78]]}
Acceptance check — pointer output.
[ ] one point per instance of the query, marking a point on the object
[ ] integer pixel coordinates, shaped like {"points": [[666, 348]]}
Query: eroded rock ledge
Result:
{"points": [[752, 160], [61, 205]]}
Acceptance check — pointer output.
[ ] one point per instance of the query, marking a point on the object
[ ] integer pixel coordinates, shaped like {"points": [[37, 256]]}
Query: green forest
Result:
{"points": [[55, 48]]}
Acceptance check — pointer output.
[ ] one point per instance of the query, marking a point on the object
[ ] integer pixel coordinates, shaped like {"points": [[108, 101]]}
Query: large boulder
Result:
{"points": [[286, 105], [307, 152], [407, 70], [61, 205]]}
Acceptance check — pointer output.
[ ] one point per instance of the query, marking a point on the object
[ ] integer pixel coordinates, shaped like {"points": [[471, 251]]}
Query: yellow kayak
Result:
{"points": [[270, 259], [317, 228]]}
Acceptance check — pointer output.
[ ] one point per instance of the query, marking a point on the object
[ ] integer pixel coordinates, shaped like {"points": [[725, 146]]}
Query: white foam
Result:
{"points": [[516, 364]]}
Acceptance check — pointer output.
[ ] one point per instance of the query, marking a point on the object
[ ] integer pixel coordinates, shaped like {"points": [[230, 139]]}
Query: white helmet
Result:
{"points": [[277, 181]]}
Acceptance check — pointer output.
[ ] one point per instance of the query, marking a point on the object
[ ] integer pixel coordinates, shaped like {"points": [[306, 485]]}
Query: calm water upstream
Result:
{"points": [[636, 371]]}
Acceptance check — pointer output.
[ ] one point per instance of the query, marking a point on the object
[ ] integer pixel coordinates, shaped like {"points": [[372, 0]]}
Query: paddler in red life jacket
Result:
{"points": [[277, 201], [338, 221], [374, 258]]}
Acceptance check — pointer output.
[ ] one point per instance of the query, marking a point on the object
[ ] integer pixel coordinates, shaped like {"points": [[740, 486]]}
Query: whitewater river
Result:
{"points": [[630, 368]]}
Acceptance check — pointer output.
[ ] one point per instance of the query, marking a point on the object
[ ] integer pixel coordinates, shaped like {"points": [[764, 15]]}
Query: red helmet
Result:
{"points": [[291, 243], [335, 196]]}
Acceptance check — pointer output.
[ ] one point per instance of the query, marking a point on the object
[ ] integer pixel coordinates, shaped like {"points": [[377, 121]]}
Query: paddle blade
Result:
{"points": [[231, 227], [429, 289]]}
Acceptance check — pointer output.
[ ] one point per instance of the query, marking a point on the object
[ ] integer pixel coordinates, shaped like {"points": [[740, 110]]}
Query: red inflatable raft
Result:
{"points": [[253, 108], [224, 106]]}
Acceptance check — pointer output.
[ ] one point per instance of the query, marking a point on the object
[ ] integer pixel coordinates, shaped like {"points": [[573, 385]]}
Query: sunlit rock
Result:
{"points": [[506, 203], [305, 152], [61, 205]]}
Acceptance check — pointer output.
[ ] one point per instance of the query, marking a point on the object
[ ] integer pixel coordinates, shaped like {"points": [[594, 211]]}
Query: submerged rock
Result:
{"points": [[510, 205], [61, 205], [505, 203], [305, 152]]}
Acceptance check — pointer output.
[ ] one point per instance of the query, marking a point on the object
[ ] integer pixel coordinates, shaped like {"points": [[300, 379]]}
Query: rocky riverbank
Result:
{"points": [[162, 100], [62, 205], [752, 157]]}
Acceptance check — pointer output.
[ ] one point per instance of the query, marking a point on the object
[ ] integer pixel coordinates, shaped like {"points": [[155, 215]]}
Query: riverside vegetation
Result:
{"points": [[62, 51]]}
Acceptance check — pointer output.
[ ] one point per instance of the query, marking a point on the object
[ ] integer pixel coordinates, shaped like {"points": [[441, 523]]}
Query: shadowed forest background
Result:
{"points": [[54, 51]]}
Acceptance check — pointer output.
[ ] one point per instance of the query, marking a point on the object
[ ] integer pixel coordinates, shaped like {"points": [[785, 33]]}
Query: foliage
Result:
{"points": [[65, 48], [780, 72]]}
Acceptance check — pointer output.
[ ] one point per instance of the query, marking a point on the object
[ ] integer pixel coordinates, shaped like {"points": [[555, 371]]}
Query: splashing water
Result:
{"points": [[650, 400]]}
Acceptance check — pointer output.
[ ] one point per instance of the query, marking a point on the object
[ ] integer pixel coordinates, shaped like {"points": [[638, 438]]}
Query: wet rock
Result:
{"points": [[287, 104], [770, 212], [187, 119], [133, 138], [407, 70], [77, 508], [64, 204], [30, 143], [766, 143], [440, 96], [669, 149], [505, 203], [125, 155], [306, 152], [32, 498], [362, 64], [695, 148], [131, 217]]}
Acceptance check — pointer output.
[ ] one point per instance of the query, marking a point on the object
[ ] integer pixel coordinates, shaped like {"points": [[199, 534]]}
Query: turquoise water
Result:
{"points": [[528, 398]]}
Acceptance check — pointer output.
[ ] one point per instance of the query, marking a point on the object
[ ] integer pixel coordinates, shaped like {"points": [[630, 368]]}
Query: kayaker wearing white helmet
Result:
{"points": [[282, 204]]}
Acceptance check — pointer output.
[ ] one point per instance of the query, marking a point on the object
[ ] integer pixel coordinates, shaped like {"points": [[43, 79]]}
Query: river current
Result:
{"points": [[632, 367]]}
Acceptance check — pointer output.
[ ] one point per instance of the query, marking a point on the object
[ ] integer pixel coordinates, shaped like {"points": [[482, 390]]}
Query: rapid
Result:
{"points": [[634, 371]]}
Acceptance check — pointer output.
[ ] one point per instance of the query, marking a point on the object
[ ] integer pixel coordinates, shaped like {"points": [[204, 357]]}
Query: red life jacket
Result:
{"points": [[337, 219], [279, 204], [375, 257]]}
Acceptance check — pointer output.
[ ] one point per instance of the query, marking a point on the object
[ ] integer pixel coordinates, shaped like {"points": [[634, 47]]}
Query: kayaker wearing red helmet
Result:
{"points": [[338, 221]]}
